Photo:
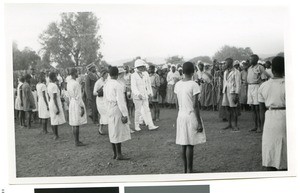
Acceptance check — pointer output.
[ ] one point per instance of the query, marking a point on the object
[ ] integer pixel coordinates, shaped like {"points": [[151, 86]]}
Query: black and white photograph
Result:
{"points": [[154, 91]]}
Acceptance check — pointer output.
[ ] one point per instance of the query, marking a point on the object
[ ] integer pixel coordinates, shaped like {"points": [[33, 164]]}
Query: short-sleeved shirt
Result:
{"points": [[52, 89], [272, 93], [40, 88], [185, 91], [256, 74]]}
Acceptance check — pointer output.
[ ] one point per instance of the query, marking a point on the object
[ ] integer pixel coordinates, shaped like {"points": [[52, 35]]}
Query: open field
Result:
{"points": [[151, 152]]}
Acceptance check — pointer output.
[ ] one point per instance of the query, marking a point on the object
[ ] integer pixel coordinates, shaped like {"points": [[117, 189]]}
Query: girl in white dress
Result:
{"points": [[190, 130], [43, 106], [118, 127], [57, 116], [77, 110], [100, 100], [18, 103], [271, 97]]}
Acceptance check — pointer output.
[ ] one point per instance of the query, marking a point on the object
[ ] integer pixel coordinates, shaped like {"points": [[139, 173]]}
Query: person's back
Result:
{"points": [[185, 91], [273, 92]]}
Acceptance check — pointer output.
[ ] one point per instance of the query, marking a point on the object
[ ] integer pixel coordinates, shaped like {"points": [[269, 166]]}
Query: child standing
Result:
{"points": [[190, 129]]}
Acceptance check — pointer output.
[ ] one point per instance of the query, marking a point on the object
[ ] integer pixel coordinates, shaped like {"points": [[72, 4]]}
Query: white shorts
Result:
{"points": [[252, 96], [228, 100]]}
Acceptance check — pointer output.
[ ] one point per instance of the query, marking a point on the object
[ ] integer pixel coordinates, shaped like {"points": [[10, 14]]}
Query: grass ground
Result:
{"points": [[151, 152]]}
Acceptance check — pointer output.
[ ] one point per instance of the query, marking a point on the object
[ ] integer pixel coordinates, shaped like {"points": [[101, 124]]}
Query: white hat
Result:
{"points": [[236, 63], [139, 63], [179, 68], [173, 65], [165, 66], [121, 70]]}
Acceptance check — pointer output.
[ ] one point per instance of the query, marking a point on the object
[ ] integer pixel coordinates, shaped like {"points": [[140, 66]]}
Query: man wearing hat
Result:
{"points": [[90, 81], [141, 91], [236, 64]]}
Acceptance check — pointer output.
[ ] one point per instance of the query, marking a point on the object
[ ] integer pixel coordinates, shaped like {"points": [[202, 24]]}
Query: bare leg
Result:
{"points": [[235, 118], [254, 114], [228, 109], [55, 131], [114, 147], [44, 122], [119, 153], [259, 128], [183, 156], [20, 117], [76, 136], [29, 113], [190, 157]]}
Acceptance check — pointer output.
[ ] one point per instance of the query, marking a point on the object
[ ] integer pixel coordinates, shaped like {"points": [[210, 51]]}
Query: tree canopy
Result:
{"points": [[205, 59], [175, 60], [73, 41], [233, 52], [23, 59]]}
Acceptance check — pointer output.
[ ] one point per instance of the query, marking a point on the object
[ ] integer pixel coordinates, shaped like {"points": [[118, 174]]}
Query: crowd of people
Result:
{"points": [[111, 96]]}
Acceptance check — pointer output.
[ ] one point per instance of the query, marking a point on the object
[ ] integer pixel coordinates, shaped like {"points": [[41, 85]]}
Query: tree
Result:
{"points": [[22, 60], [205, 59], [175, 60], [73, 41], [233, 52]]}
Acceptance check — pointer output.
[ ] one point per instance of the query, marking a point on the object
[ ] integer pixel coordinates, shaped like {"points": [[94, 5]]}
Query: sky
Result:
{"points": [[160, 31]]}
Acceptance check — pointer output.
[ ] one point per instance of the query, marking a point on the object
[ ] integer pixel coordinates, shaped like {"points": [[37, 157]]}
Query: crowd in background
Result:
{"points": [[228, 87]]}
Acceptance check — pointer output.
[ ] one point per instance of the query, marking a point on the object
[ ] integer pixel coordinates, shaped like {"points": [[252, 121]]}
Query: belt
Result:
{"points": [[253, 83], [276, 108]]}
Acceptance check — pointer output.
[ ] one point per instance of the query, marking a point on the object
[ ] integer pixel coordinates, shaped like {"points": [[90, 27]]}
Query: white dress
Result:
{"points": [[18, 98], [274, 146], [42, 107], [60, 118], [101, 102], [118, 132], [34, 93], [187, 123], [76, 102]]}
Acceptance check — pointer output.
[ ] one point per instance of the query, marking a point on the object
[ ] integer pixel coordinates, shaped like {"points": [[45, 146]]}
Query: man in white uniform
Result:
{"points": [[141, 91]]}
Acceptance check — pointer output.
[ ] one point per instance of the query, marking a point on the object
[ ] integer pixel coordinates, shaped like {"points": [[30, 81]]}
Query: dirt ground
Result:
{"points": [[151, 152]]}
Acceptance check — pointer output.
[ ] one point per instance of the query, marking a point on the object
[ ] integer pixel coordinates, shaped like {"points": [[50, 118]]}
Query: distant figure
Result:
{"points": [[244, 87], [19, 103], [271, 97], [155, 83], [90, 81], [172, 77], [190, 130], [28, 100], [268, 69]]}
